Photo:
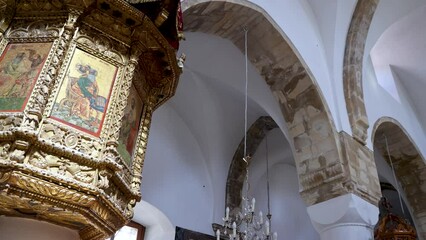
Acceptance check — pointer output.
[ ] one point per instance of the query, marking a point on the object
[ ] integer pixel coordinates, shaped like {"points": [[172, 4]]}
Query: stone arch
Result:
{"points": [[409, 165], [352, 67], [323, 169], [236, 175]]}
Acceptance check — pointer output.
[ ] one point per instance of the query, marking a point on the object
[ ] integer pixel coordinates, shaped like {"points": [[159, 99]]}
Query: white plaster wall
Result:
{"points": [[214, 62], [380, 103], [192, 140], [297, 23], [279, 151], [387, 13], [210, 99], [333, 18], [194, 136], [318, 31], [175, 178], [12, 228], [289, 216]]}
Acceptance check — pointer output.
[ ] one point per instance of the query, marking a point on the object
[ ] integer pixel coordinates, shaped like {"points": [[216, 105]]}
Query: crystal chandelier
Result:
{"points": [[246, 225]]}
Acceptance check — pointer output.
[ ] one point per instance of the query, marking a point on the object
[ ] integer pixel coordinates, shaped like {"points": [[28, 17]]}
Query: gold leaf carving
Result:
{"points": [[71, 140], [37, 29], [28, 6], [22, 206], [87, 145], [118, 30], [62, 167], [102, 45], [52, 190], [61, 174], [9, 121], [18, 155], [103, 181], [4, 151], [38, 161], [38, 101], [4, 176], [7, 10]]}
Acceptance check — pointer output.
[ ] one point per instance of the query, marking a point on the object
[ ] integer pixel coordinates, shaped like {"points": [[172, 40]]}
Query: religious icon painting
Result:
{"points": [[130, 126], [20, 66], [84, 93]]}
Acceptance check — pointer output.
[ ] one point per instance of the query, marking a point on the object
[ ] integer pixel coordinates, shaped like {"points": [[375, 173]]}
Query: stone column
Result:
{"points": [[347, 217]]}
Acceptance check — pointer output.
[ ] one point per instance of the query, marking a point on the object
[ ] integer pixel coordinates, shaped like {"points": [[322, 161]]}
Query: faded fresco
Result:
{"points": [[130, 126], [84, 94], [20, 65]]}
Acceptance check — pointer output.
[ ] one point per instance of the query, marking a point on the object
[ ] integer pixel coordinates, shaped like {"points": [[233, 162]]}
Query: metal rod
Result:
{"points": [[394, 176], [267, 174], [245, 157], [246, 88]]}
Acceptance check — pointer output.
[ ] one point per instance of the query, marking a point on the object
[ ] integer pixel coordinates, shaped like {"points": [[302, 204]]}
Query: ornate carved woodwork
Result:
{"points": [[391, 226], [58, 169]]}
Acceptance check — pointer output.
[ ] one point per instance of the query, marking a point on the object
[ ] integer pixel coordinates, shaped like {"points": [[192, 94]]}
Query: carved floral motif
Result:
{"points": [[62, 167], [53, 190], [54, 171], [34, 6], [85, 145], [4, 151], [26, 30], [37, 104], [8, 121], [101, 44]]}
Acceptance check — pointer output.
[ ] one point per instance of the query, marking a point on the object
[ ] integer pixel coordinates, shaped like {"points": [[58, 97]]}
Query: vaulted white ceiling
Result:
{"points": [[402, 49]]}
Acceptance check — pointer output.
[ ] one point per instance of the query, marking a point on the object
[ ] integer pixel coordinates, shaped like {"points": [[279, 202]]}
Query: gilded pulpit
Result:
{"points": [[391, 226], [79, 81]]}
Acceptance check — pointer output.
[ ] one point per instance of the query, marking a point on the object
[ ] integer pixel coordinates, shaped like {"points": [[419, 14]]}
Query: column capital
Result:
{"points": [[345, 217]]}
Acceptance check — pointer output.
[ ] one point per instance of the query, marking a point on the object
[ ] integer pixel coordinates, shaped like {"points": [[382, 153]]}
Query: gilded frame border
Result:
{"points": [[28, 35], [61, 77], [4, 52], [78, 52]]}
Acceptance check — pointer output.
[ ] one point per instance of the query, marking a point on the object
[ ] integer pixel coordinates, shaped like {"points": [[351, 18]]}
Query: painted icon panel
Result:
{"points": [[20, 66], [130, 126], [84, 94]]}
